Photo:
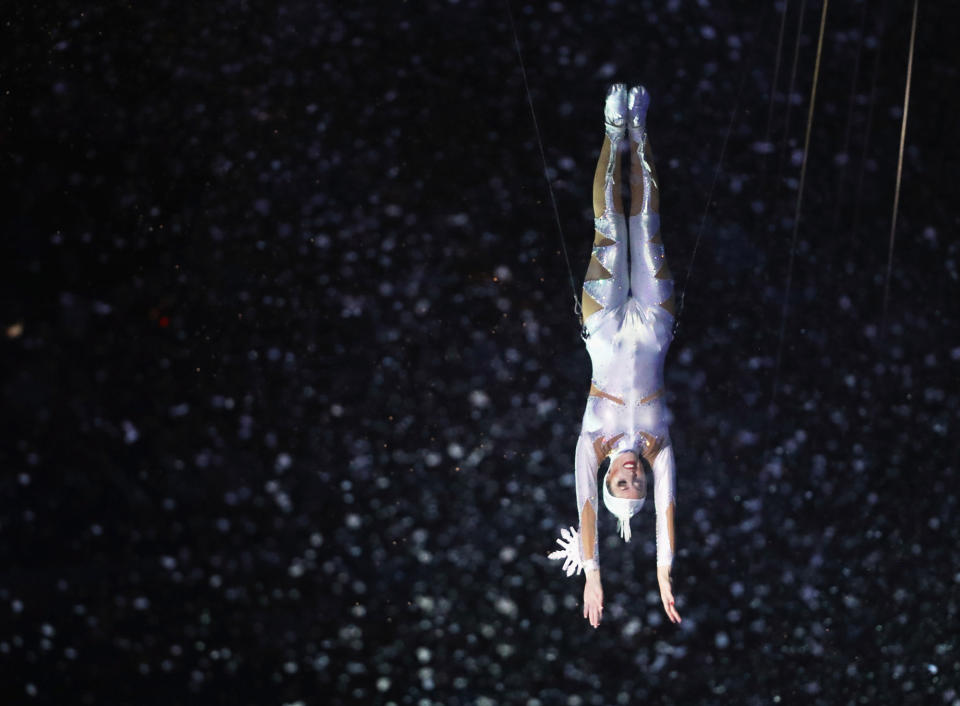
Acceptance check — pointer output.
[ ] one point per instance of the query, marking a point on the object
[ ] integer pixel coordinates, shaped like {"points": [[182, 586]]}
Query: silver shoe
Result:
{"points": [[637, 103], [615, 111]]}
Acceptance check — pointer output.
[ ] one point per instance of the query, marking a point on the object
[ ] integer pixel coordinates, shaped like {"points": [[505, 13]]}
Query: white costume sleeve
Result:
{"points": [[585, 475], [664, 479]]}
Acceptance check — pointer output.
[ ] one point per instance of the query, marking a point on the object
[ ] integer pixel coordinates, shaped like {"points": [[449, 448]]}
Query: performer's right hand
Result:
{"points": [[593, 598]]}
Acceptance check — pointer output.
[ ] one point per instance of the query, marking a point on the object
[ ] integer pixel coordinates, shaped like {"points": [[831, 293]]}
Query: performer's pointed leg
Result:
{"points": [[650, 277], [606, 282]]}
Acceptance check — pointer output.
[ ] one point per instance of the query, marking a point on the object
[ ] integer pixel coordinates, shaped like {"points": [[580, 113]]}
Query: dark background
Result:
{"points": [[291, 377]]}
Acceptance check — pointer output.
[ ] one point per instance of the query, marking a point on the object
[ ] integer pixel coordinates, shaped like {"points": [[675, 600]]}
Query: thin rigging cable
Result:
{"points": [[546, 172], [706, 207], [896, 198], [776, 70], [869, 126], [848, 126], [793, 81], [796, 217], [713, 185]]}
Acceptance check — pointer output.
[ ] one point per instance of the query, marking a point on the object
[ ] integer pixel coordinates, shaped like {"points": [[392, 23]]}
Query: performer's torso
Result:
{"points": [[627, 350]]}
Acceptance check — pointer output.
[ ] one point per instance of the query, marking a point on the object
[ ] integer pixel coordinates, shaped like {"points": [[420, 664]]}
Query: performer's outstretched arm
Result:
{"points": [[664, 500], [588, 456], [585, 476]]}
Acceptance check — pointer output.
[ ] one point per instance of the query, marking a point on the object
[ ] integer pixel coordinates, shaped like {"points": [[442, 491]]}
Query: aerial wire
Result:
{"points": [[776, 70], [793, 80], [896, 197], [713, 185], [706, 206], [797, 212], [546, 171], [869, 126], [848, 127]]}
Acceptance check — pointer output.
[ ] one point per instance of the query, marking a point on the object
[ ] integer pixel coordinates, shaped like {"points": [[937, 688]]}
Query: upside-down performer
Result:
{"points": [[628, 312]]}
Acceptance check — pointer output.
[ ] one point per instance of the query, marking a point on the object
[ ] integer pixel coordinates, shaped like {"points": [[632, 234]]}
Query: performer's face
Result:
{"points": [[627, 479]]}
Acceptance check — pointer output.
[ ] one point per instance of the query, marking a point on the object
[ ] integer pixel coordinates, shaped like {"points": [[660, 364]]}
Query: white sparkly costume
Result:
{"points": [[628, 337]]}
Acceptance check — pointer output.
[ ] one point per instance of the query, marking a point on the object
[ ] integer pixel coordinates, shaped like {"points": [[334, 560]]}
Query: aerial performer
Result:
{"points": [[628, 311]]}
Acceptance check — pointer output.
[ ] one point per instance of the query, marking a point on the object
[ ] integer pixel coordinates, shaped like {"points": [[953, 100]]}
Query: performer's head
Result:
{"points": [[625, 489], [625, 477]]}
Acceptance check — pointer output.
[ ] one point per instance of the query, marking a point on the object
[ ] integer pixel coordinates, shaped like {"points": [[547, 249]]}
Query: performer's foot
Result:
{"points": [[615, 111], [637, 103]]}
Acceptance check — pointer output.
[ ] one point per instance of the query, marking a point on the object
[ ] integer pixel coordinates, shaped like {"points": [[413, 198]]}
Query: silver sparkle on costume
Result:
{"points": [[638, 101], [629, 337], [615, 111]]}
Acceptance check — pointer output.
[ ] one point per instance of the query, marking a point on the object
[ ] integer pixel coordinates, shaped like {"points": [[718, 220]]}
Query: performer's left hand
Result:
{"points": [[666, 594]]}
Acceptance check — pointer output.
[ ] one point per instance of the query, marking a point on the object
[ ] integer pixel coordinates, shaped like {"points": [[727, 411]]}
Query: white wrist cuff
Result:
{"points": [[591, 565]]}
